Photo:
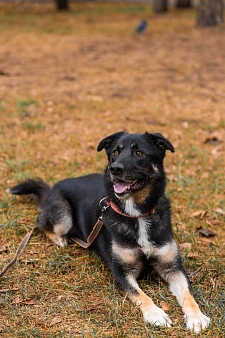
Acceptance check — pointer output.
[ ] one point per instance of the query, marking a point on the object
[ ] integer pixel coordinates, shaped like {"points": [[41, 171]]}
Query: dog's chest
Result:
{"points": [[143, 238], [143, 226]]}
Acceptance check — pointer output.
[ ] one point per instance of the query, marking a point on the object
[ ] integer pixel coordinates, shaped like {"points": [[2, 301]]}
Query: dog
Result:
{"points": [[136, 237]]}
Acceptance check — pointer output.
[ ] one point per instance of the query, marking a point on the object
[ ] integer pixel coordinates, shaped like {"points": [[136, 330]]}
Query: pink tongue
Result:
{"points": [[120, 187]]}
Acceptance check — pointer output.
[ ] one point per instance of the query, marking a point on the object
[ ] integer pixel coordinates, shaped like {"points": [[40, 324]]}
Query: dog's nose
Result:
{"points": [[116, 168]]}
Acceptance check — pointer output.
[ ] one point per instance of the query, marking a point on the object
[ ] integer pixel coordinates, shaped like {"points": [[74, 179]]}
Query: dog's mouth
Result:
{"points": [[123, 187]]}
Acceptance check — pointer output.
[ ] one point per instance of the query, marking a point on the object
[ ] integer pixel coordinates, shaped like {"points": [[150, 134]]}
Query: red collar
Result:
{"points": [[116, 209]]}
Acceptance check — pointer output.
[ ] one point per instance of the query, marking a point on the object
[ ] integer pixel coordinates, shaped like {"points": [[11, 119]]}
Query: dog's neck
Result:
{"points": [[131, 209]]}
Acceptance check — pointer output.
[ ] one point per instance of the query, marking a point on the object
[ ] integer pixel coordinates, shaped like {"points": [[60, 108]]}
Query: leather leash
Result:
{"points": [[21, 246], [104, 204], [94, 233]]}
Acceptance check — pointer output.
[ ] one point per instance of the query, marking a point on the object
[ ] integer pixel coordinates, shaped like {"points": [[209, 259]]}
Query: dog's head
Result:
{"points": [[135, 160]]}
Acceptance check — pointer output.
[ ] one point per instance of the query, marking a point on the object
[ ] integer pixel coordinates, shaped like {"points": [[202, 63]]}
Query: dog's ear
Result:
{"points": [[109, 140], [161, 142]]}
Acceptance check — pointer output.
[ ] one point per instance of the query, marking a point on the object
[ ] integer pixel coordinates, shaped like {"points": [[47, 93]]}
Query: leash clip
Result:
{"points": [[103, 204]]}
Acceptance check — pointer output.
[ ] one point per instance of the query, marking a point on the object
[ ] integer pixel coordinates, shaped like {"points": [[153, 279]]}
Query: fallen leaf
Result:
{"points": [[28, 301], [56, 320], [213, 283], [94, 307], [107, 113], [3, 249], [6, 290], [220, 211], [96, 98], [208, 241], [216, 150], [42, 324], [209, 222], [205, 175], [165, 306], [214, 138], [172, 178], [216, 222], [199, 213], [191, 172], [60, 297], [182, 226], [16, 300], [186, 246], [185, 124], [206, 232]]}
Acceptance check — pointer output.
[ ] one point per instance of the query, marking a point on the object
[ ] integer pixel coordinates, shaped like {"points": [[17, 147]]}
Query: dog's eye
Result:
{"points": [[116, 153], [139, 153]]}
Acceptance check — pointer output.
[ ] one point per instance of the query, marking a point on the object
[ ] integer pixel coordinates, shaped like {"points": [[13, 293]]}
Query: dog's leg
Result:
{"points": [[56, 238], [126, 267], [152, 313], [170, 267], [195, 319], [55, 228]]}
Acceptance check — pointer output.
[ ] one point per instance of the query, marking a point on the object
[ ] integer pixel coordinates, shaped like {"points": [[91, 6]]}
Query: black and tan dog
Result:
{"points": [[136, 237]]}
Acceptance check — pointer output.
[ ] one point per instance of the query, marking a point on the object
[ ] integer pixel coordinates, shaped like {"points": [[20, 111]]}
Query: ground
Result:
{"points": [[66, 81]]}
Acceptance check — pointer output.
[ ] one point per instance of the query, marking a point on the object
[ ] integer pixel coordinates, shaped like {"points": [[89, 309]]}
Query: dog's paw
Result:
{"points": [[60, 241], [197, 323], [156, 316]]}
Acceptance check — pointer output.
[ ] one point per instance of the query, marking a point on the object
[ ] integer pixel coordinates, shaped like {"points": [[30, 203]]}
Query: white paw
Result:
{"points": [[197, 323], [156, 316], [60, 241]]}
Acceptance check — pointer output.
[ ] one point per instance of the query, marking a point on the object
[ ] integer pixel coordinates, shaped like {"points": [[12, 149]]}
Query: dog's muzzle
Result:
{"points": [[123, 185]]}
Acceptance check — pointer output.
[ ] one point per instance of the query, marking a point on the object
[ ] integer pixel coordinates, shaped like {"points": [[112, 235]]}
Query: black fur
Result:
{"points": [[38, 188], [134, 181]]}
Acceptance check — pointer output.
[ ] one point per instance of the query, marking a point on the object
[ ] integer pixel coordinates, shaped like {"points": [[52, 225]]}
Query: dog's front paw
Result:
{"points": [[156, 316], [196, 323]]}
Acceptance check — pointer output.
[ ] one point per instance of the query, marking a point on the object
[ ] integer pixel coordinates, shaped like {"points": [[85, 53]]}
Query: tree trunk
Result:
{"points": [[61, 4], [160, 6], [210, 13], [183, 3]]}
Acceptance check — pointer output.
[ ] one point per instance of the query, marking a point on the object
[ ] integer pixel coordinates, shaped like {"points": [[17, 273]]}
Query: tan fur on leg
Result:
{"points": [[195, 319], [152, 313], [56, 239]]}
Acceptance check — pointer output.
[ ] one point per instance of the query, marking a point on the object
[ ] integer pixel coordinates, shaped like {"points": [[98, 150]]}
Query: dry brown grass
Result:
{"points": [[68, 80]]}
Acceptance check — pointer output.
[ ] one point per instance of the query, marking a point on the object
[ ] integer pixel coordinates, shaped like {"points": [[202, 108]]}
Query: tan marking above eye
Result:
{"points": [[133, 146], [116, 153]]}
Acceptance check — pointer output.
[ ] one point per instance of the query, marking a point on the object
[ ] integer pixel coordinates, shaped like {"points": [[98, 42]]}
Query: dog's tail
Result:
{"points": [[36, 187]]}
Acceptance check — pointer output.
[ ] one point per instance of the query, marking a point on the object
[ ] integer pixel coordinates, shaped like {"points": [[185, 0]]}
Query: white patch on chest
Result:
{"points": [[131, 209], [145, 244]]}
